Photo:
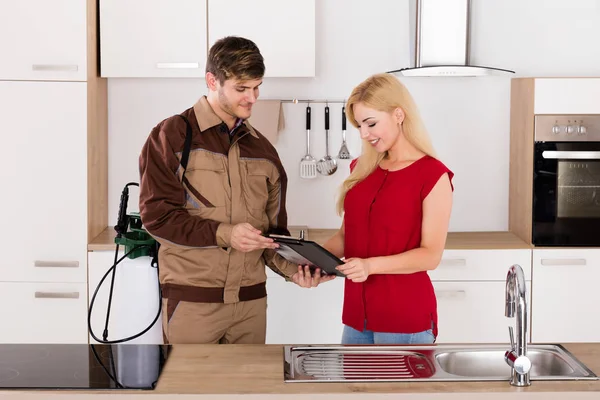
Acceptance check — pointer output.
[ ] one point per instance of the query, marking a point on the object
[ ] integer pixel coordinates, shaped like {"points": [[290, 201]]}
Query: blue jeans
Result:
{"points": [[352, 336]]}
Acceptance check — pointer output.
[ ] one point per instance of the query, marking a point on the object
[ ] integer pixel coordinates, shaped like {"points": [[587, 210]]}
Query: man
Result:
{"points": [[209, 217]]}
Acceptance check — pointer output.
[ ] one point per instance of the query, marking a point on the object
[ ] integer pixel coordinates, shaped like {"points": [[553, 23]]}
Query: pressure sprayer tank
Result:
{"points": [[135, 299], [137, 366]]}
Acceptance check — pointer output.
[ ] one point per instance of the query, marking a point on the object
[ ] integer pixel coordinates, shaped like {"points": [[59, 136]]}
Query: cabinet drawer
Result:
{"points": [[473, 312], [298, 315], [480, 265], [565, 295], [43, 312]]}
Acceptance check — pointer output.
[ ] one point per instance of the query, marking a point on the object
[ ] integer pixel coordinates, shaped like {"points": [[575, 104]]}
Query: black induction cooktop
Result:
{"points": [[81, 366]]}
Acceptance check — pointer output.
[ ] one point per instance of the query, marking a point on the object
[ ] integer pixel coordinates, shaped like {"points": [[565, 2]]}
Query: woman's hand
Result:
{"points": [[356, 269], [305, 279]]}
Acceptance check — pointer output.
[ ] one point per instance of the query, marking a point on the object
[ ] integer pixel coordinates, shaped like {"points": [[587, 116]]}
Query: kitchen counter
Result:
{"points": [[456, 240], [256, 372]]}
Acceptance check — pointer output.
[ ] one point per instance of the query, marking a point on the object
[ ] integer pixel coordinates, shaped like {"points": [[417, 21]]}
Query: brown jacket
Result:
{"points": [[227, 181]]}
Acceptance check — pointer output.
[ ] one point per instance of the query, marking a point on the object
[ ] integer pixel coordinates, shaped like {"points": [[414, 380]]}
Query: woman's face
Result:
{"points": [[378, 128]]}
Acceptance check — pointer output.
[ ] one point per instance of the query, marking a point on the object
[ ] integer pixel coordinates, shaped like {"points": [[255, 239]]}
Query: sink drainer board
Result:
{"points": [[401, 363], [364, 365]]}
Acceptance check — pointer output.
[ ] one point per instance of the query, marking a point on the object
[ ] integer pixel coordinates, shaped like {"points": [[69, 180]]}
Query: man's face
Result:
{"points": [[237, 97]]}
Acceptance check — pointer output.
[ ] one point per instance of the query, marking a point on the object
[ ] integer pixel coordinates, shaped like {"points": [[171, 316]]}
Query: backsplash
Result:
{"points": [[482, 139]]}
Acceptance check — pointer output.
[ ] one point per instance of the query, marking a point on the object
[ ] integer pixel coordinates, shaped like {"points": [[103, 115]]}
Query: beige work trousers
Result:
{"points": [[244, 322]]}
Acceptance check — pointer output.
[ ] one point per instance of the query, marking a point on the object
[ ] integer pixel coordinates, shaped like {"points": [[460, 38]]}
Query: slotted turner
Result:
{"points": [[308, 164], [344, 154]]}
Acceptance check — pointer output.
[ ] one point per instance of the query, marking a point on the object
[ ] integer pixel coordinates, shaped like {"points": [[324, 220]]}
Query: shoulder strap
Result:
{"points": [[187, 146]]}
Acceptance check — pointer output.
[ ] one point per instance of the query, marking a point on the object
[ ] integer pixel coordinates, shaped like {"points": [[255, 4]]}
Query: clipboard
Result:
{"points": [[307, 252]]}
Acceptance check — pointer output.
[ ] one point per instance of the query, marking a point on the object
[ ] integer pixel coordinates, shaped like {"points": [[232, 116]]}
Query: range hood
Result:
{"points": [[440, 40]]}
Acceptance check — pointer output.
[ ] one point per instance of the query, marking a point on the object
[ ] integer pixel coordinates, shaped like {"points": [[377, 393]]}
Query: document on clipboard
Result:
{"points": [[306, 252]]}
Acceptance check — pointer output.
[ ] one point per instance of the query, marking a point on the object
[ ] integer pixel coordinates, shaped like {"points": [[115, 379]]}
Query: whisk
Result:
{"points": [[344, 154]]}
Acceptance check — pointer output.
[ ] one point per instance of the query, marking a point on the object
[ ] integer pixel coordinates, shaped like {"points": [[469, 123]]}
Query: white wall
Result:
{"points": [[468, 118]]}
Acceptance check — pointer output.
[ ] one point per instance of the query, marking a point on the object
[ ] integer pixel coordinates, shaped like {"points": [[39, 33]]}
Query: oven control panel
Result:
{"points": [[567, 128]]}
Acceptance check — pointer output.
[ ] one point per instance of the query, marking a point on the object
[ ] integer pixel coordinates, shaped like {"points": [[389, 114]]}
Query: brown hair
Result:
{"points": [[235, 57]]}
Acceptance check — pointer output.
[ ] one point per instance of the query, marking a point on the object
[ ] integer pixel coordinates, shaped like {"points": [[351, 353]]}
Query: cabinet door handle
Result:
{"points": [[451, 294], [454, 262], [56, 295], [564, 261], [181, 65], [54, 67], [56, 264]]}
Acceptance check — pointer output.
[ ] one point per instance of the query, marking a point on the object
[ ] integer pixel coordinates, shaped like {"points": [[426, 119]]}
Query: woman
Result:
{"points": [[396, 204]]}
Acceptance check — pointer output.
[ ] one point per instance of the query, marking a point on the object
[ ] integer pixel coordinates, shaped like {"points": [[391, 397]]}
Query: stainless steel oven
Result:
{"points": [[566, 180]]}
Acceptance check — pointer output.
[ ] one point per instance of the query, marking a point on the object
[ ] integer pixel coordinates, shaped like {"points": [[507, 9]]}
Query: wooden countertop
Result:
{"points": [[256, 369], [455, 240], [200, 371]]}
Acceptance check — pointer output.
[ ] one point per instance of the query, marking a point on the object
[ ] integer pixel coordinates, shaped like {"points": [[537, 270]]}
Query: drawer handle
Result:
{"points": [[177, 65], [56, 264], [451, 294], [564, 261], [54, 67], [454, 262], [56, 295]]}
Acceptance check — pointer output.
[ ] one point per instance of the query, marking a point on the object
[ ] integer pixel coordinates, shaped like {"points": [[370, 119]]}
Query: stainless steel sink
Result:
{"points": [[425, 363], [547, 362]]}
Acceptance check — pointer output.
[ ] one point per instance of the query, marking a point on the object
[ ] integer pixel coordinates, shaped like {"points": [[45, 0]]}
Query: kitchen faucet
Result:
{"points": [[516, 299]]}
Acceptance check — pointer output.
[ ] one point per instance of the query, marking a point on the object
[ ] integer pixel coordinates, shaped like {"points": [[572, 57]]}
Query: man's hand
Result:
{"points": [[356, 269], [245, 238], [304, 278]]}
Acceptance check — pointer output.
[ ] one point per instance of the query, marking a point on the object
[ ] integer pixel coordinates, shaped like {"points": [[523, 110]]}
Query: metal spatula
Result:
{"points": [[308, 164], [344, 154], [326, 165]]}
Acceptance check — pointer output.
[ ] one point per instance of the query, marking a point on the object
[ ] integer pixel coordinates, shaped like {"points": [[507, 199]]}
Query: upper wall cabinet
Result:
{"points": [[153, 38], [566, 96], [43, 40], [284, 31]]}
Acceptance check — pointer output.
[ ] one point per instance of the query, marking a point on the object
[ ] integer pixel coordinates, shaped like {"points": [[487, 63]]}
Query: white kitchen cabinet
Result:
{"points": [[135, 298], [566, 96], [470, 291], [468, 312], [566, 295], [284, 31], [480, 265], [297, 315], [34, 312], [43, 170], [473, 312], [43, 40], [153, 38]]}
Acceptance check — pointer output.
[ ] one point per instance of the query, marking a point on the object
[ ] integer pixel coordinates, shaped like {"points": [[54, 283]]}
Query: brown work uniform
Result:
{"points": [[212, 293]]}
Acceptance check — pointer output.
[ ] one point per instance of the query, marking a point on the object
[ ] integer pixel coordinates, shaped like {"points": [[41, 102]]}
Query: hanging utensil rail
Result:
{"points": [[295, 101]]}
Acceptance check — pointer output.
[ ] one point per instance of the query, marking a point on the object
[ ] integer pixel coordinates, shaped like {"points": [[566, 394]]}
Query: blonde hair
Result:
{"points": [[383, 92]]}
